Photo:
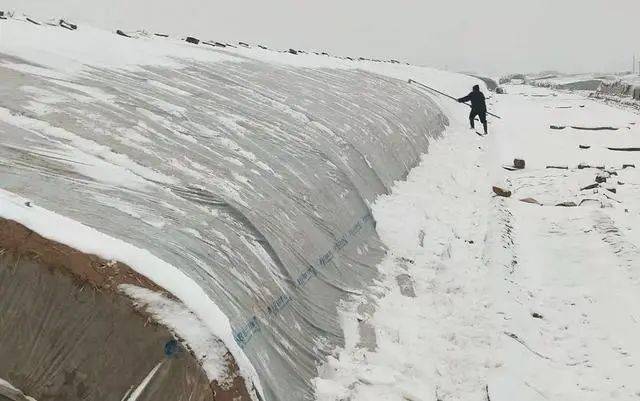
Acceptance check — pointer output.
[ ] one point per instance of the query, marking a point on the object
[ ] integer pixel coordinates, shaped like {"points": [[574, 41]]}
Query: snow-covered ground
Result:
{"points": [[513, 300]]}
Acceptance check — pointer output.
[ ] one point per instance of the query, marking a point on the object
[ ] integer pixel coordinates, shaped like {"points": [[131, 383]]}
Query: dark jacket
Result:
{"points": [[477, 101]]}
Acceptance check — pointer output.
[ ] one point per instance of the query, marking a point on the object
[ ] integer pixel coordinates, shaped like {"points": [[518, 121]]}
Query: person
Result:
{"points": [[478, 107]]}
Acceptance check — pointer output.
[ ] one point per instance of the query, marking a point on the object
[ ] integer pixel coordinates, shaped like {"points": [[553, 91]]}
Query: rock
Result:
{"points": [[601, 179], [406, 260], [293, 51], [612, 190], [559, 167], [530, 200], [628, 166], [193, 40], [67, 25], [537, 315], [567, 204], [502, 192], [620, 183], [585, 147], [243, 44], [558, 127], [592, 186], [162, 35], [119, 32], [220, 44], [263, 47], [500, 90], [518, 163], [583, 166]]}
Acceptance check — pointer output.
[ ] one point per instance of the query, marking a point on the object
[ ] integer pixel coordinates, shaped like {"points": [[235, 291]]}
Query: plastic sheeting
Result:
{"points": [[252, 178], [62, 340]]}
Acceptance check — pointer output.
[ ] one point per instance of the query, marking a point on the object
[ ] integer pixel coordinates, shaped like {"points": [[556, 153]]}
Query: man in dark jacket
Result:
{"points": [[478, 107]]}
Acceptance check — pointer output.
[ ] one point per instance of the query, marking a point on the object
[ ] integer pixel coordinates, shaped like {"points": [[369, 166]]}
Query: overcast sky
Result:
{"points": [[491, 36]]}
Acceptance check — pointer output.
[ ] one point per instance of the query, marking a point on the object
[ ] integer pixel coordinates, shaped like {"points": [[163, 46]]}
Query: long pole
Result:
{"points": [[411, 81]]}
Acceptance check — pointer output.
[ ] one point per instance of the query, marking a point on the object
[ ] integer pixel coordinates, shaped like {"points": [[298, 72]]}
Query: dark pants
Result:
{"points": [[483, 118]]}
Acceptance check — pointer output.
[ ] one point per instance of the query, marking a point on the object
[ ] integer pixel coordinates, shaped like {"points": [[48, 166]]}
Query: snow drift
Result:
{"points": [[231, 186]]}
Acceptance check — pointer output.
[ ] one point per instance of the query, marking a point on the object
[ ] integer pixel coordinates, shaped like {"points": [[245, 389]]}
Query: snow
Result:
{"points": [[197, 319], [577, 267], [95, 160], [209, 351], [513, 300], [70, 52], [562, 79], [438, 206]]}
